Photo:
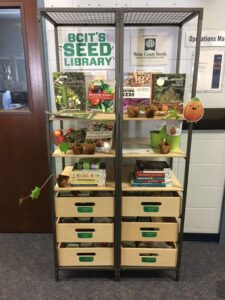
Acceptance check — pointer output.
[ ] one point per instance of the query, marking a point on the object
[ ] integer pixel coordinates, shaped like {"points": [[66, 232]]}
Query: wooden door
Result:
{"points": [[23, 146]]}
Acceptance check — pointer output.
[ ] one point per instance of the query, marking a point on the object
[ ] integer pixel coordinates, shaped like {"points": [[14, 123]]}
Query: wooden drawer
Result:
{"points": [[150, 231], [84, 233], [85, 256], [84, 206], [149, 257], [151, 206]]}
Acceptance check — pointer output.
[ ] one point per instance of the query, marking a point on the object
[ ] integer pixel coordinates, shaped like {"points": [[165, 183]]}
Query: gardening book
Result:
{"points": [[147, 166], [101, 96], [137, 89], [168, 90], [70, 92], [100, 134], [157, 184]]}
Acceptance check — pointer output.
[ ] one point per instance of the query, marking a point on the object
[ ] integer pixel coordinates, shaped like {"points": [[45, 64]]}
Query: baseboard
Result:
{"points": [[202, 237]]}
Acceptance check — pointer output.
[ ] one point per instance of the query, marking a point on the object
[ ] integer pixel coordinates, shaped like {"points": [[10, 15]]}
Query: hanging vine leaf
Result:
{"points": [[64, 147], [35, 193], [20, 201]]}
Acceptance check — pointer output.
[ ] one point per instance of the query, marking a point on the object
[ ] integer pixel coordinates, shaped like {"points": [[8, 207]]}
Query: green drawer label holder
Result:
{"points": [[149, 234], [85, 235], [148, 259], [86, 258], [151, 209], [85, 209]]}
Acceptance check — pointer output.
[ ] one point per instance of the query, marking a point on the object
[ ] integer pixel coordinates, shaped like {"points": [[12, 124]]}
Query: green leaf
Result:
{"points": [[35, 193], [64, 147], [20, 201]]}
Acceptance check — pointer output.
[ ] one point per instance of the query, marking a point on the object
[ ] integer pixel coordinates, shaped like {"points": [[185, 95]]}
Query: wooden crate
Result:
{"points": [[150, 231], [84, 232], [149, 257], [84, 206], [85, 256], [151, 206]]}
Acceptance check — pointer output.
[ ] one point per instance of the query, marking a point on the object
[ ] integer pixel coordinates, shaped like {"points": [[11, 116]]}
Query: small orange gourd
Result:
{"points": [[193, 110]]}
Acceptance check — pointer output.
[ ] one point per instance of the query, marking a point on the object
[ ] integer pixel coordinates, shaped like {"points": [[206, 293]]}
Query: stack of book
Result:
{"points": [[88, 174], [151, 174]]}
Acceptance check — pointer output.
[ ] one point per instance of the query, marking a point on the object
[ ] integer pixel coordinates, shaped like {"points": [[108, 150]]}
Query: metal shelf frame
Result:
{"points": [[120, 18]]}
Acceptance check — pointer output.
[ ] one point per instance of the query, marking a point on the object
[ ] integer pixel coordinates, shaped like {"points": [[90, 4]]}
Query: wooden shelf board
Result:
{"points": [[110, 184], [156, 118], [96, 117], [127, 187], [140, 148], [59, 153]]}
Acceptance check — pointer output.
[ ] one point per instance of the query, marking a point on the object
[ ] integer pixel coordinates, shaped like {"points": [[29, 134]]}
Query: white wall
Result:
{"points": [[207, 168]]}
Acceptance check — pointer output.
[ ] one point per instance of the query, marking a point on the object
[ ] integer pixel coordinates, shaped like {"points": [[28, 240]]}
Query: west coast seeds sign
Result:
{"points": [[149, 49], [87, 50]]}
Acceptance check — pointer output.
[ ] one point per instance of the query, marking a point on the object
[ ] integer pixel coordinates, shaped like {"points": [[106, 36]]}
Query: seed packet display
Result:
{"points": [[101, 95], [168, 89], [137, 90], [100, 134], [70, 91]]}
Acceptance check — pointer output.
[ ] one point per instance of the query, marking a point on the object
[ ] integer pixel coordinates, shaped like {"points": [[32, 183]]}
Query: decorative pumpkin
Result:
{"points": [[193, 110]]}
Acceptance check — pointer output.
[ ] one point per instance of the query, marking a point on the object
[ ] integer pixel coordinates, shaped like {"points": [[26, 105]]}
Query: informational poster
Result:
{"points": [[209, 38], [149, 49], [210, 71], [86, 49]]}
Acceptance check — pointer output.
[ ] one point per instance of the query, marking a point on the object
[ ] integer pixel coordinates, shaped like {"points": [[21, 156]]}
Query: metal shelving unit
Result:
{"points": [[119, 18]]}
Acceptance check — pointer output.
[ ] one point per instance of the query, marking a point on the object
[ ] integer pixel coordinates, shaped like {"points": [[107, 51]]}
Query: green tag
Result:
{"points": [[85, 235], [86, 258], [151, 208], [148, 259], [85, 209], [149, 234]]}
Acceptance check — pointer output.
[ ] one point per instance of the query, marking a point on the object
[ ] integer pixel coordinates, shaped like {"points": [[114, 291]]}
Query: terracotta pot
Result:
{"points": [[164, 147], [89, 149], [133, 111], [150, 111], [77, 148], [62, 180]]}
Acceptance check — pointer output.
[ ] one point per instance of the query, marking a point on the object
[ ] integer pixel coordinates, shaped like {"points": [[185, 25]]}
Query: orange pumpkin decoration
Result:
{"points": [[193, 110]]}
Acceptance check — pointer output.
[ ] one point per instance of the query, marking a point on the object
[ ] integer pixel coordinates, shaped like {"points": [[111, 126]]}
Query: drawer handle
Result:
{"points": [[151, 206], [84, 233], [85, 207], [149, 257], [86, 257], [149, 232]]}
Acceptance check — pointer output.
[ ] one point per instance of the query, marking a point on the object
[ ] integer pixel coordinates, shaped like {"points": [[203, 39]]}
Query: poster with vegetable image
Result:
{"points": [[70, 92], [101, 96]]}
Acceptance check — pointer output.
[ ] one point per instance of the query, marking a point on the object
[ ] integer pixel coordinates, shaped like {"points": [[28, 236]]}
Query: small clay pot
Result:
{"points": [[150, 111], [133, 111], [89, 149], [77, 148], [62, 180], [164, 147]]}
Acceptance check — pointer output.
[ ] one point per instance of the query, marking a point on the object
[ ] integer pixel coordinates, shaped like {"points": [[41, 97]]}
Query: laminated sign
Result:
{"points": [[88, 50], [149, 49]]}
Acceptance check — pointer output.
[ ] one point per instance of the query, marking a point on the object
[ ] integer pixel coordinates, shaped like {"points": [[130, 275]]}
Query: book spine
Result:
{"points": [[150, 181], [87, 181], [88, 175], [135, 184], [153, 174]]}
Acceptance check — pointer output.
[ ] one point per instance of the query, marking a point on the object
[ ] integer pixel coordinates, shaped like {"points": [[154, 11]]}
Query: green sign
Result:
{"points": [[88, 50]]}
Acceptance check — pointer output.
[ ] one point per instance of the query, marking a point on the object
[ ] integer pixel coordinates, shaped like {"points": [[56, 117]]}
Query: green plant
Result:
{"points": [[173, 114], [35, 193]]}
